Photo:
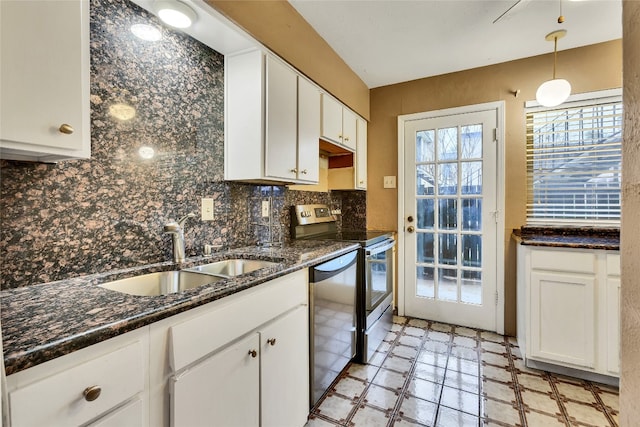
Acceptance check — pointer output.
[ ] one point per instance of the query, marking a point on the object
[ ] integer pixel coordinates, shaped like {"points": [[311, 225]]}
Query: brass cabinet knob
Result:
{"points": [[303, 171], [272, 341], [66, 129], [253, 353], [346, 138], [410, 229], [361, 182], [340, 136], [294, 170], [92, 393]]}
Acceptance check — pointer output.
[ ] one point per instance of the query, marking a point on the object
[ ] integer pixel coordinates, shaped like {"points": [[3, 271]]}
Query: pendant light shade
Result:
{"points": [[555, 91]]}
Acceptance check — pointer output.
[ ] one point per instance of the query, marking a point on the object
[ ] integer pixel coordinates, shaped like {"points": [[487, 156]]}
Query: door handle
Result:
{"points": [[410, 229]]}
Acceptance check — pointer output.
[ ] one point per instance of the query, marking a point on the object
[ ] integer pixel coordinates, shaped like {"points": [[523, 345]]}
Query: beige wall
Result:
{"points": [[590, 68], [278, 26], [630, 245]]}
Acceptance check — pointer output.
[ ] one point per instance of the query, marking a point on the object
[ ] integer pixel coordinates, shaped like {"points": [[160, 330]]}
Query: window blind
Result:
{"points": [[574, 159]]}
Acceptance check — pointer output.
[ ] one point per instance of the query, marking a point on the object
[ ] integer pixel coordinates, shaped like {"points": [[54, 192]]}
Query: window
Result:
{"points": [[574, 160]]}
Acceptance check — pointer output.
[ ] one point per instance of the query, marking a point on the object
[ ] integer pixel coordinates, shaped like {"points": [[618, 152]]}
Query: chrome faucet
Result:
{"points": [[176, 229]]}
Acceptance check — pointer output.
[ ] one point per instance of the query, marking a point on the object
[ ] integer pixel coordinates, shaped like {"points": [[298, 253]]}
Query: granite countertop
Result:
{"points": [[574, 237], [42, 322]]}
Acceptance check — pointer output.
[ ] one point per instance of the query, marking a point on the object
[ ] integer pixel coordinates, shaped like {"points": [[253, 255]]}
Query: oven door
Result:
{"points": [[378, 274], [378, 294]]}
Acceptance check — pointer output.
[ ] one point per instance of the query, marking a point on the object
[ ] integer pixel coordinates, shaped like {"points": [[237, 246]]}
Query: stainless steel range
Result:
{"points": [[374, 288]]}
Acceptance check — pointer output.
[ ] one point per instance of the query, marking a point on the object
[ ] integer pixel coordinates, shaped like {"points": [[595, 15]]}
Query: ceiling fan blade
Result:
{"points": [[516, 5]]}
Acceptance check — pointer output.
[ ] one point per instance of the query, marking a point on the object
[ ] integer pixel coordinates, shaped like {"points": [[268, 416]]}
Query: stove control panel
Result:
{"points": [[311, 214]]}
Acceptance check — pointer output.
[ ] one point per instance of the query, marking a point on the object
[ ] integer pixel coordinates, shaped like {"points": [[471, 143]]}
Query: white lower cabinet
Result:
{"points": [[101, 385], [239, 361], [568, 308], [221, 391]]}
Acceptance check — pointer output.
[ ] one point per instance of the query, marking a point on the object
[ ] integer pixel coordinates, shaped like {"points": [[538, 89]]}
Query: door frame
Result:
{"points": [[498, 107]]}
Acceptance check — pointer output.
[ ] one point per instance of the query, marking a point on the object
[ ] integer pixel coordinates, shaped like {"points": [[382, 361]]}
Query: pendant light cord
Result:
{"points": [[555, 55]]}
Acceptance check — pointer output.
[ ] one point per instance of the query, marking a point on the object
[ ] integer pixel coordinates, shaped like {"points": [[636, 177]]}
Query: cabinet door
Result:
{"points": [[349, 129], [44, 80], [308, 131], [130, 415], [285, 370], [613, 325], [331, 124], [221, 391], [281, 118], [361, 155], [563, 318]]}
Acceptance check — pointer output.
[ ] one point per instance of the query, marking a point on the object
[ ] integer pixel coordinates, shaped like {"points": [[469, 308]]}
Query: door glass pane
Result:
{"points": [[447, 214], [471, 142], [472, 250], [425, 180], [425, 213], [471, 178], [425, 247], [448, 143], [424, 285], [448, 178], [448, 249], [425, 147], [471, 214], [471, 287], [447, 284]]}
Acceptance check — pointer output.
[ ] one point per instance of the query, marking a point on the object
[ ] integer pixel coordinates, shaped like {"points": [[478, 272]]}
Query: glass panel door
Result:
{"points": [[450, 232]]}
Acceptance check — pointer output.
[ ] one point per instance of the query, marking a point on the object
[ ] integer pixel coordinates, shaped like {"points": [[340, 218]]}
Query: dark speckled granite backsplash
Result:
{"points": [[87, 216]]}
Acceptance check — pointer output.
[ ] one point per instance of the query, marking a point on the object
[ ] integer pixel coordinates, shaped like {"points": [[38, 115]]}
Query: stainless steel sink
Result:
{"points": [[160, 283], [232, 267]]}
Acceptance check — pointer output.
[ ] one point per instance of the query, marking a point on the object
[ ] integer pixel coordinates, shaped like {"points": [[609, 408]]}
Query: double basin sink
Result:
{"points": [[169, 282]]}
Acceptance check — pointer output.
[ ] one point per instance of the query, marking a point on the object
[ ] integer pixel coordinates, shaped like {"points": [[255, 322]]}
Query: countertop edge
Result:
{"points": [[16, 361]]}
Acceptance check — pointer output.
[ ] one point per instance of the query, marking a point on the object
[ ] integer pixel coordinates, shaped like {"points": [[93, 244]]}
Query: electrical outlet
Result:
{"points": [[207, 209], [265, 209], [389, 182]]}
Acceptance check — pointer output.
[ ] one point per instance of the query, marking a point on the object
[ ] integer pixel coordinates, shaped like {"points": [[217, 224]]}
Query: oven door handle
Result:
{"points": [[383, 247]]}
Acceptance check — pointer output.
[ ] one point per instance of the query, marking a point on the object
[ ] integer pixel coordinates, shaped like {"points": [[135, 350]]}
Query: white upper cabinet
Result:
{"points": [[338, 123], [44, 80], [361, 155], [308, 131], [272, 121]]}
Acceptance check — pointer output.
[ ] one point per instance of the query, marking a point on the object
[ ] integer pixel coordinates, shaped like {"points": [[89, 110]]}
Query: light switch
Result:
{"points": [[207, 209], [389, 182]]}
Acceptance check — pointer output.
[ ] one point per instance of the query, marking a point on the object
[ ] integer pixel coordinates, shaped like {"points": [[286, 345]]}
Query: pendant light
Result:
{"points": [[556, 91]]}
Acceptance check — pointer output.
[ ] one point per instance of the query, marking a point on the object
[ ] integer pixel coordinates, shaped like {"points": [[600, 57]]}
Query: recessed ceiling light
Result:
{"points": [[146, 32], [175, 13]]}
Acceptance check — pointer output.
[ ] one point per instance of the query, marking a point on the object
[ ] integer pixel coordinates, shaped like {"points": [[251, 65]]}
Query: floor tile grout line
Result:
{"points": [[557, 396], [516, 384], [601, 404], [405, 386]]}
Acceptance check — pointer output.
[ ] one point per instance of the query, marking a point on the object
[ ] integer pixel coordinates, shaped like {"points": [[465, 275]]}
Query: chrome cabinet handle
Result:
{"points": [[272, 341], [92, 393], [66, 129], [253, 353]]}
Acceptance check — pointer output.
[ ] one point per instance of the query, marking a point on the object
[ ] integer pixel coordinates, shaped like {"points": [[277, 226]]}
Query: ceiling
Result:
{"points": [[392, 41]]}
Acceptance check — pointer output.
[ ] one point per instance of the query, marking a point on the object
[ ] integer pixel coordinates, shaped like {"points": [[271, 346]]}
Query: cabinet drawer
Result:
{"points": [[196, 337], [569, 261], [59, 400]]}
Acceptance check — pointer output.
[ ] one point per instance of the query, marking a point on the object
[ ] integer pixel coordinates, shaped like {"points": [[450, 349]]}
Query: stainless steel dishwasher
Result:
{"points": [[332, 320]]}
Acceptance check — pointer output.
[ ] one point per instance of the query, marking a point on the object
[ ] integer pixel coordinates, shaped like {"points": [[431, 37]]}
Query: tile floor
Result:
{"points": [[434, 374]]}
